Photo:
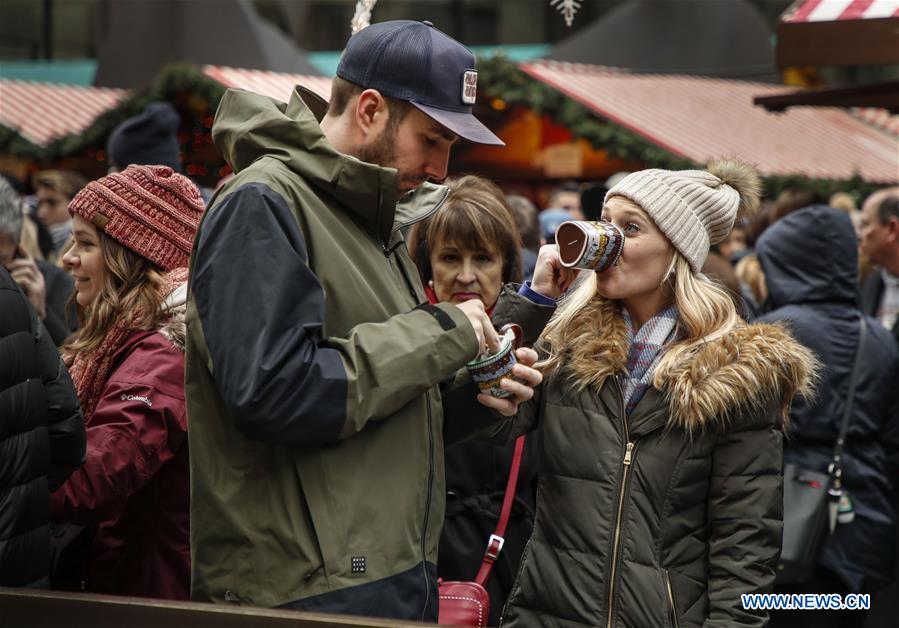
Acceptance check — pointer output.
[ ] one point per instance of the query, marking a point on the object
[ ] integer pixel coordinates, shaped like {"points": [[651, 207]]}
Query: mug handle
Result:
{"points": [[516, 332]]}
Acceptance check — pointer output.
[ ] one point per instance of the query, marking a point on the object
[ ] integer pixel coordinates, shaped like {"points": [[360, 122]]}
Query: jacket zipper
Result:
{"points": [[625, 473], [424, 524], [626, 464], [674, 622]]}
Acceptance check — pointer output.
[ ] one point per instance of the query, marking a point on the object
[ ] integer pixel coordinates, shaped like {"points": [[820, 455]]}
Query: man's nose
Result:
{"points": [[438, 164]]}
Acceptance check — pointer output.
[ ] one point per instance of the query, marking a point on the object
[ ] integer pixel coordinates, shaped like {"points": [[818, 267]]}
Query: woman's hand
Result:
{"points": [[521, 387], [26, 273], [551, 279]]}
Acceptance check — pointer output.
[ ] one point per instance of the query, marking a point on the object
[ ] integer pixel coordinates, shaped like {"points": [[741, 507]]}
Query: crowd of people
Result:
{"points": [[261, 397]]}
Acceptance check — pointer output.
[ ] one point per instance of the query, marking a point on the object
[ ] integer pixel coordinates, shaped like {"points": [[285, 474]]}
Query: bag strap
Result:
{"points": [[836, 467], [495, 544]]}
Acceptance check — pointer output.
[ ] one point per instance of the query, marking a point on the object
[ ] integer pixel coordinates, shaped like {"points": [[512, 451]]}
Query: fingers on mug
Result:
{"points": [[488, 371]]}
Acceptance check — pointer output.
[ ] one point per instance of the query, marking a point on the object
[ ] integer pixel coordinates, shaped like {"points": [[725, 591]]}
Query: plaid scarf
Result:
{"points": [[645, 351]]}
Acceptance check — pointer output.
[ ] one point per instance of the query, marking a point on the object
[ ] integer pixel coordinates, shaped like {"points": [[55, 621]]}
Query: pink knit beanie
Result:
{"points": [[150, 210]]}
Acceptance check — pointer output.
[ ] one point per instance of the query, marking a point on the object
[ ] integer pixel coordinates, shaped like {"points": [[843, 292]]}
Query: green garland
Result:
{"points": [[500, 77], [504, 80], [173, 81]]}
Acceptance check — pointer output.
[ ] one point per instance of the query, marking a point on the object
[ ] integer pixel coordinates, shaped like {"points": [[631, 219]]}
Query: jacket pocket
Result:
{"points": [[669, 593]]}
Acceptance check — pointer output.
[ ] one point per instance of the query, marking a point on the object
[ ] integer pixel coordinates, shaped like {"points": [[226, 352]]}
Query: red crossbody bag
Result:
{"points": [[467, 603]]}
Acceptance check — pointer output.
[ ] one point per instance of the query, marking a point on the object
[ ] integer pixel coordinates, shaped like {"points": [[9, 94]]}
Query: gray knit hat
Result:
{"points": [[694, 208]]}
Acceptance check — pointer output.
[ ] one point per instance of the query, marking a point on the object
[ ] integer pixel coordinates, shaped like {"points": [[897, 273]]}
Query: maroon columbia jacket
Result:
{"points": [[134, 485]]}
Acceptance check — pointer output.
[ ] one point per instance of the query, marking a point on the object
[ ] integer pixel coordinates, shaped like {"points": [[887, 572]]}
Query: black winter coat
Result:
{"points": [[42, 437], [811, 264], [666, 516], [476, 477]]}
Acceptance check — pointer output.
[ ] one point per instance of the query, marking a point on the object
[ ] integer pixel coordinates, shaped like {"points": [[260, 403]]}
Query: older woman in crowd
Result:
{"points": [[469, 249]]}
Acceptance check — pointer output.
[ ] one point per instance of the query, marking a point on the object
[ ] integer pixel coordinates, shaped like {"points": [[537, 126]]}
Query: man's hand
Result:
{"points": [[551, 279], [488, 339], [26, 273], [522, 387]]}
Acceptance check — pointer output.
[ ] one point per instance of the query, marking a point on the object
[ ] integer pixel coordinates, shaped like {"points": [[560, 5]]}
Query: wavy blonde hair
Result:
{"points": [[705, 312], [131, 295]]}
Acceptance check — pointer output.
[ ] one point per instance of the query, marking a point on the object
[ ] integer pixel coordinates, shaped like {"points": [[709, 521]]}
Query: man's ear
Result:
{"points": [[371, 112], [892, 226]]}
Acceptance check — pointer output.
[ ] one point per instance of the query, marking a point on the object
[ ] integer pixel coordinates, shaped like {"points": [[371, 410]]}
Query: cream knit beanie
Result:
{"points": [[694, 208]]}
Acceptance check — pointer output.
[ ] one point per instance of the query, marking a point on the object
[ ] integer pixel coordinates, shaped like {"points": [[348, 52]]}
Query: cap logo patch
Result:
{"points": [[469, 87]]}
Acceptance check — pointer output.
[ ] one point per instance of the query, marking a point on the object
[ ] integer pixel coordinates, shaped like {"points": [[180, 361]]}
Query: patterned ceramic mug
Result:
{"points": [[488, 370], [588, 244]]}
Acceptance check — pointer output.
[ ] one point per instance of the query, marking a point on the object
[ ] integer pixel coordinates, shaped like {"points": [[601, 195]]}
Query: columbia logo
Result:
{"points": [[137, 398]]}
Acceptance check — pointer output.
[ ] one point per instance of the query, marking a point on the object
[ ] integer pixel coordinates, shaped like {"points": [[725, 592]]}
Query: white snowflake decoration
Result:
{"points": [[567, 8], [362, 18]]}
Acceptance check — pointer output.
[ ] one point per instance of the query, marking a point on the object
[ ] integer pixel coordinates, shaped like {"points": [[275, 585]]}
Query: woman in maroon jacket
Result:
{"points": [[133, 233]]}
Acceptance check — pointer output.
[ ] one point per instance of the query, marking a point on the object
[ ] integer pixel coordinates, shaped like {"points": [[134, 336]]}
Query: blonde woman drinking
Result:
{"points": [[661, 415]]}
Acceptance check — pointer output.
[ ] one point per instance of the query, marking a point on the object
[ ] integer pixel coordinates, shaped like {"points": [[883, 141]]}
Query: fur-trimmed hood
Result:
{"points": [[753, 367], [174, 327]]}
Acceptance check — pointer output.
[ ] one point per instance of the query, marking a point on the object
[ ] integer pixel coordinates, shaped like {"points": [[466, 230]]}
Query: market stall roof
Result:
{"points": [[879, 95], [43, 112], [825, 10], [138, 38], [703, 118], [274, 84], [699, 37], [839, 32]]}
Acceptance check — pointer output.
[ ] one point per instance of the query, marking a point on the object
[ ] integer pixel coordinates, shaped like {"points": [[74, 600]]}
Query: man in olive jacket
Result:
{"points": [[314, 362]]}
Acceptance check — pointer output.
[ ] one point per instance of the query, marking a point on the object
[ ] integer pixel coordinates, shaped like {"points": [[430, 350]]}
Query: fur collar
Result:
{"points": [[174, 328], [754, 367]]}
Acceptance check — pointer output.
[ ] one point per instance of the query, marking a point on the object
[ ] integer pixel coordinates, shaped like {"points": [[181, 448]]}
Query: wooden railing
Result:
{"points": [[28, 608]]}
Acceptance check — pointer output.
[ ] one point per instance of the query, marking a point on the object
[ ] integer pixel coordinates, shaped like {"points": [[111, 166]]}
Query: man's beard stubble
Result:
{"points": [[382, 152]]}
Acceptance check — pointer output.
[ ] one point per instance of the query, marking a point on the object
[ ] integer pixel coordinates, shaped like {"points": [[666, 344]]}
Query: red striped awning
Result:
{"points": [[703, 118], [828, 10], [880, 118], [273, 84], [43, 112]]}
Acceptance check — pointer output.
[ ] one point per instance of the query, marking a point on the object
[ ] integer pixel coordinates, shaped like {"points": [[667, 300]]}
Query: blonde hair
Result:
{"points": [[843, 201], [131, 294], [705, 312], [750, 272]]}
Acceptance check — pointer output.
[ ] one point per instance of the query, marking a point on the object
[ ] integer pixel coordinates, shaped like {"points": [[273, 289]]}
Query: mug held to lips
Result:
{"points": [[488, 370], [591, 245]]}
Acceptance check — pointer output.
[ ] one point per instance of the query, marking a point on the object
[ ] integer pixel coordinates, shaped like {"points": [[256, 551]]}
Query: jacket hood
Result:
{"points": [[752, 368], [249, 126], [810, 256]]}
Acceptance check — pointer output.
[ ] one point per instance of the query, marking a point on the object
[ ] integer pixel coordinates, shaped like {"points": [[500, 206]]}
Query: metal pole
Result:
{"points": [[48, 29]]}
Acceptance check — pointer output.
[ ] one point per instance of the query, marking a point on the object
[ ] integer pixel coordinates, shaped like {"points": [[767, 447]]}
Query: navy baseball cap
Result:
{"points": [[416, 62]]}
